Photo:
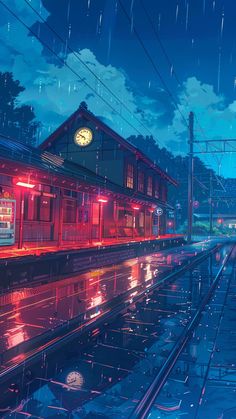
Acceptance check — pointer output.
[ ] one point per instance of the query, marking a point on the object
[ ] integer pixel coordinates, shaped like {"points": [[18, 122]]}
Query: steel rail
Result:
{"points": [[146, 402]]}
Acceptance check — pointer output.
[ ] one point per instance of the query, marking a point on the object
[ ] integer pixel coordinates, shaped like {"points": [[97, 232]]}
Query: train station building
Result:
{"points": [[84, 184]]}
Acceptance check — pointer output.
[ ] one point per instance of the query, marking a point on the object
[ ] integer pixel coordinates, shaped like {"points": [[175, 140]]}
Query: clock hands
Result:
{"points": [[83, 136]]}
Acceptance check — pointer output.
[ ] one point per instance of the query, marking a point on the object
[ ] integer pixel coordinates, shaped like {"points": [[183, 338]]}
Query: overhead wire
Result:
{"points": [[67, 65], [166, 88], [173, 71], [76, 55]]}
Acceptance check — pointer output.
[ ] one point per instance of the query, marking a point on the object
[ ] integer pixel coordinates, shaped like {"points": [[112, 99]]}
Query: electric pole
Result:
{"points": [[211, 208], [190, 177]]}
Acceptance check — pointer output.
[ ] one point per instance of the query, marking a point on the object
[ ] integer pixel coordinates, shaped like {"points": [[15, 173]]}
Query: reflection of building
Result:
{"points": [[94, 186]]}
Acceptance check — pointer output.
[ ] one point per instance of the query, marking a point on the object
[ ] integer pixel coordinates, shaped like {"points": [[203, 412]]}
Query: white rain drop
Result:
{"points": [[222, 24], [177, 13], [187, 16]]}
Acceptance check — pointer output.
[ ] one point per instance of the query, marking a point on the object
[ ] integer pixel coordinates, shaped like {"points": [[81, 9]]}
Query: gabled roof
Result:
{"points": [[82, 111]]}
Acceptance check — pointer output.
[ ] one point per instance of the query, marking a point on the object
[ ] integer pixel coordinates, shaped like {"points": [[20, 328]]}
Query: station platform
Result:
{"points": [[21, 267], [36, 249]]}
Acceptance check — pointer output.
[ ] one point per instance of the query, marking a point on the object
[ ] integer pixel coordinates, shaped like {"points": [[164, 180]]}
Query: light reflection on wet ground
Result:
{"points": [[29, 312], [112, 373], [203, 382]]}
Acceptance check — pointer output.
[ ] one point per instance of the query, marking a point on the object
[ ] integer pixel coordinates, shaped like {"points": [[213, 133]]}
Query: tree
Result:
{"points": [[17, 122]]}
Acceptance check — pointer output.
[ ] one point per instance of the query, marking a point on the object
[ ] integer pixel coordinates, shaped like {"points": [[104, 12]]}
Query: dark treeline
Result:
{"points": [[16, 121]]}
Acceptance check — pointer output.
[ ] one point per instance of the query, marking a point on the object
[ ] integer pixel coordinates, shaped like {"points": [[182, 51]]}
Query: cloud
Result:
{"points": [[56, 91]]}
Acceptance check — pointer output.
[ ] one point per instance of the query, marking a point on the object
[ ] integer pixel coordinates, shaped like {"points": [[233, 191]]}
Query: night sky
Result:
{"points": [[159, 59]]}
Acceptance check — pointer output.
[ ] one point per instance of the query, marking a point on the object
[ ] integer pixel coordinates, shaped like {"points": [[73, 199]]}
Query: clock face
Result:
{"points": [[74, 379], [83, 136]]}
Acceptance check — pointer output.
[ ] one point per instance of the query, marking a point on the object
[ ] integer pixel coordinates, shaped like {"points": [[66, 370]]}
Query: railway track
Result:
{"points": [[149, 398]]}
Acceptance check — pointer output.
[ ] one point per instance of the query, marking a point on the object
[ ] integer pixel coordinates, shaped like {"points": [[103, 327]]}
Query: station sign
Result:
{"points": [[158, 211]]}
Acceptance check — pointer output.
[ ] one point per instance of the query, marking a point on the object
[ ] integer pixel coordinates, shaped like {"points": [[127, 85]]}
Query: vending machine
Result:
{"points": [[7, 221]]}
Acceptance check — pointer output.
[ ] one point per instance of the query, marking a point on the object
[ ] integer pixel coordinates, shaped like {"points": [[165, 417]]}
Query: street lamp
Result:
{"points": [[25, 184]]}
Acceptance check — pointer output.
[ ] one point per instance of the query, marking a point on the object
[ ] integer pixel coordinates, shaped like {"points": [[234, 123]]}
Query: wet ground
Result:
{"points": [[29, 312], [203, 384], [113, 371]]}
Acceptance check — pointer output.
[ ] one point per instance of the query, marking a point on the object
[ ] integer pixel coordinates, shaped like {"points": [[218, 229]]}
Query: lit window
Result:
{"points": [[95, 213], [141, 182], [130, 176], [141, 219], [149, 186]]}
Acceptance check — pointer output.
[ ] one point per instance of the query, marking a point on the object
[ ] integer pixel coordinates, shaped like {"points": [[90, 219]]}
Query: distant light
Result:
{"points": [[136, 208], [25, 185]]}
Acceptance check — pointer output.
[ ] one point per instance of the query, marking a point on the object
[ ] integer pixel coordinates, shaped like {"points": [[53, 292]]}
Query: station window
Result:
{"points": [[69, 211], [141, 182], [156, 188], [5, 180], [31, 207], [130, 176], [45, 208], [149, 186], [37, 208], [83, 215], [141, 219], [70, 193], [95, 213], [164, 192], [129, 219]]}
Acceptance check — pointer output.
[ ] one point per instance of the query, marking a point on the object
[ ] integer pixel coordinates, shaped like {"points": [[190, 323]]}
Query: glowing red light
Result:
{"points": [[220, 220], [25, 185], [135, 208]]}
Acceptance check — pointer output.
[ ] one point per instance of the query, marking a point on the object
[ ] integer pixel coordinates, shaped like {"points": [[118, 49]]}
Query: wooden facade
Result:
{"points": [[70, 194]]}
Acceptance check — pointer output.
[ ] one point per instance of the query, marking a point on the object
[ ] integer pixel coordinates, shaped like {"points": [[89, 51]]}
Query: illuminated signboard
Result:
{"points": [[7, 221]]}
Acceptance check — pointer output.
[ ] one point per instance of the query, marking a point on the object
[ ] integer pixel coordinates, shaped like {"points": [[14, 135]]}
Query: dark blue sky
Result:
{"points": [[190, 31], [199, 37]]}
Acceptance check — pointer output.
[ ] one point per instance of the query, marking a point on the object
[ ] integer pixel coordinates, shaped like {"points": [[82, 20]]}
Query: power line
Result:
{"points": [[67, 65], [153, 63], [156, 69], [89, 69], [172, 69]]}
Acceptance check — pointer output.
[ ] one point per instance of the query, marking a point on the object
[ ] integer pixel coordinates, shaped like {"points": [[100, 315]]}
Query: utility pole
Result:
{"points": [[211, 208], [190, 177]]}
